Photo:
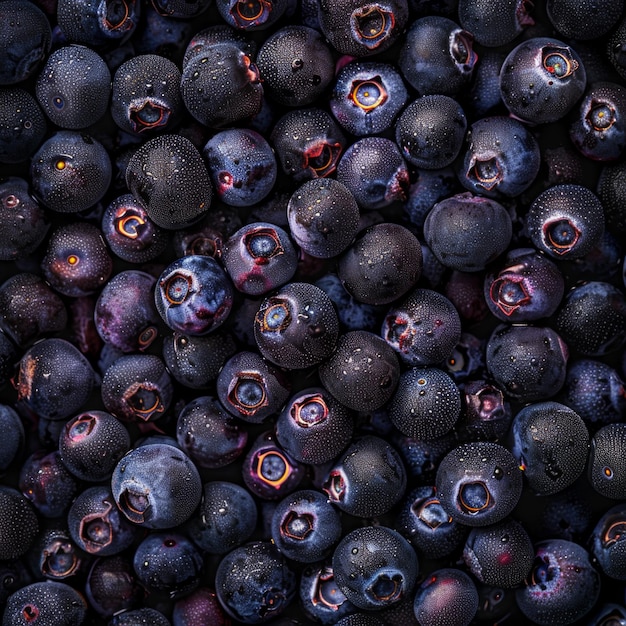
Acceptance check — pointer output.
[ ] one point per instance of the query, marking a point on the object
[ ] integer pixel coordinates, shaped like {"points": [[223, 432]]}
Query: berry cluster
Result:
{"points": [[312, 312]]}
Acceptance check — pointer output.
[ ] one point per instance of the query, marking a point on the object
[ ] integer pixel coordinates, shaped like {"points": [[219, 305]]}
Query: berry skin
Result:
{"points": [[18, 524], [607, 466], [22, 125]]}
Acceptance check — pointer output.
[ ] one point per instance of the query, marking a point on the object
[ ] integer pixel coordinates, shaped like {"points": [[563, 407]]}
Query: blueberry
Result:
{"points": [[373, 169], [70, 172], [259, 257], [568, 17], [137, 388], [296, 65], [145, 97], [598, 131], [167, 175], [495, 23], [193, 295], [323, 216], [430, 131], [221, 86], [446, 596], [479, 483], [95, 23], [320, 596], [112, 586], [501, 158], [426, 404], [541, 80], [427, 526], [466, 232], [251, 16], [74, 87], [22, 125], [47, 483], [208, 434], [359, 29], [130, 233], [563, 585], [77, 261], [500, 555], [92, 443], [125, 316], [565, 221], [367, 479], [168, 563], [367, 97], [97, 526], [250, 388], [305, 526], [269, 472], [297, 327], [363, 371], [54, 379], [196, 361], [423, 328], [524, 286], [31, 310], [528, 362], [606, 470], [255, 595], [201, 604], [603, 306], [156, 486], [18, 523], [47, 602], [308, 143], [486, 413], [26, 39], [313, 427], [140, 617], [242, 166], [225, 519], [55, 556], [550, 441], [437, 56], [607, 543]]}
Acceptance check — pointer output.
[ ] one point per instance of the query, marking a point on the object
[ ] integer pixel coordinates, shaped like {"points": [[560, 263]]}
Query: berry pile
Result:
{"points": [[312, 312]]}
